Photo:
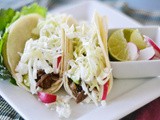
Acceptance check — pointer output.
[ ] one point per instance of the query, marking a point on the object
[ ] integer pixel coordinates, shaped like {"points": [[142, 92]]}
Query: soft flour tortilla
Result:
{"points": [[102, 31], [19, 32], [68, 55]]}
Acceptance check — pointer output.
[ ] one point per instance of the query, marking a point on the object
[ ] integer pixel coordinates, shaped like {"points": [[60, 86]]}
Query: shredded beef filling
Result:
{"points": [[46, 80], [77, 91]]}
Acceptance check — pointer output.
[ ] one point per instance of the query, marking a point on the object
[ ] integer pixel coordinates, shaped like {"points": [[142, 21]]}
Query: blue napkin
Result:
{"points": [[7, 112], [143, 16]]}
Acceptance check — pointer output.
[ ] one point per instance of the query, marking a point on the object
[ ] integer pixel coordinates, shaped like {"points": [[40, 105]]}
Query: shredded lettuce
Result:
{"points": [[88, 66], [7, 17], [88, 58], [4, 38], [34, 8]]}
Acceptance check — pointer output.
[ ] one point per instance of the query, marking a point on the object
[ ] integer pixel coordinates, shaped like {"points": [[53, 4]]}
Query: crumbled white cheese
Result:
{"points": [[103, 103], [63, 110], [61, 106]]}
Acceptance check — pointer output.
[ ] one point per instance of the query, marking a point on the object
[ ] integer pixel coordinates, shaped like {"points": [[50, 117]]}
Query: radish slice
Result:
{"points": [[155, 58], [105, 90], [153, 44], [132, 51], [157, 54], [146, 54], [46, 98], [58, 61]]}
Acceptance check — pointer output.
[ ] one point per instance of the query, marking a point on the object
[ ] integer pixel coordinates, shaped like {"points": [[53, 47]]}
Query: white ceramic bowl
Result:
{"points": [[139, 69]]}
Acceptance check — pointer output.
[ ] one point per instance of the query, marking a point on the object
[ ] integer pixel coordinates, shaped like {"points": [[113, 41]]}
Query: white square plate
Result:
{"points": [[125, 97]]}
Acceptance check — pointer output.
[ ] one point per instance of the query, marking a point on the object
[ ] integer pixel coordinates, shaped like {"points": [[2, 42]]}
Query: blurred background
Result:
{"points": [[146, 12]]}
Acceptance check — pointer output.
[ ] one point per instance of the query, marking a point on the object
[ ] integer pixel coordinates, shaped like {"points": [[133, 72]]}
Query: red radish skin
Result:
{"points": [[155, 58], [47, 98], [156, 48], [157, 54], [105, 90], [132, 51], [153, 44], [58, 61], [146, 54]]}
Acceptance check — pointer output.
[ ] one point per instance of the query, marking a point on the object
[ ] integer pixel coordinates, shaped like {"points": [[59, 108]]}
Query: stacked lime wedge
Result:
{"points": [[117, 46], [117, 43], [137, 39]]}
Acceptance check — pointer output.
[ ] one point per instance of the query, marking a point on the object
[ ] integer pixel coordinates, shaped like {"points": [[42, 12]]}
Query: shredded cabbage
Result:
{"points": [[88, 64], [43, 52]]}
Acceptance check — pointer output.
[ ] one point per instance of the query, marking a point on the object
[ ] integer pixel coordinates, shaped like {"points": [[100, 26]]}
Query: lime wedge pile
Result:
{"points": [[117, 43], [137, 39]]}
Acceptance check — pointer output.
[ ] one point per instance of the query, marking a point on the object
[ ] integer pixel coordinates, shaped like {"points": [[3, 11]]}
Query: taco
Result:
{"points": [[16, 28], [33, 51], [41, 65], [88, 75]]}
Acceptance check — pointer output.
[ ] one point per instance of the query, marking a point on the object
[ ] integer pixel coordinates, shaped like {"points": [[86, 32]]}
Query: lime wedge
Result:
{"points": [[127, 33], [117, 46], [137, 39]]}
